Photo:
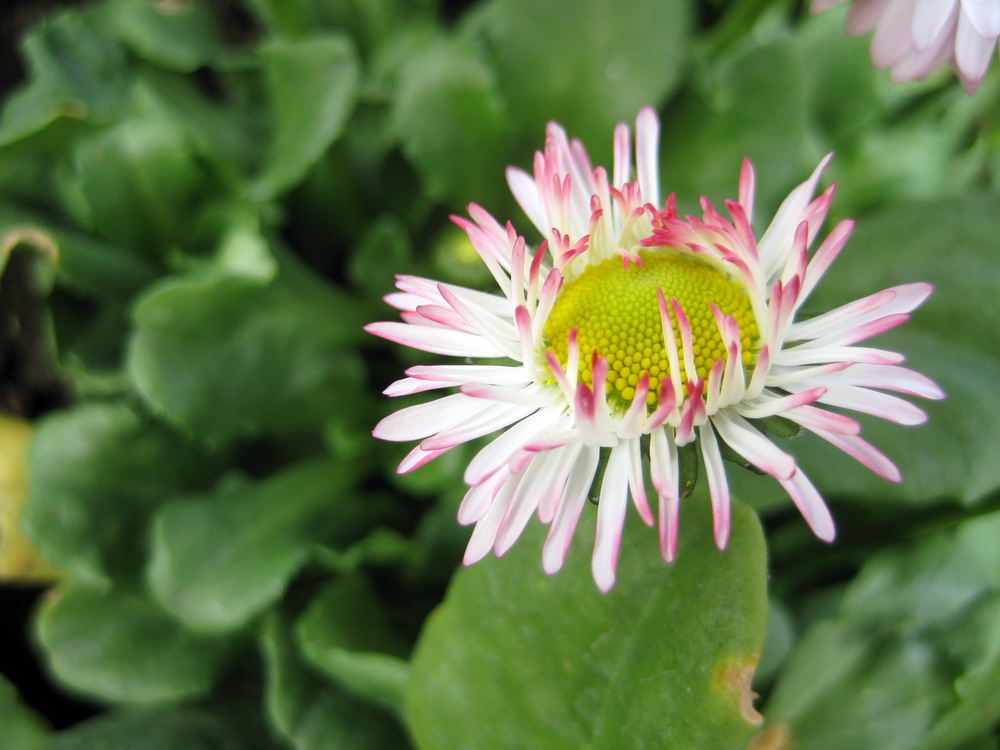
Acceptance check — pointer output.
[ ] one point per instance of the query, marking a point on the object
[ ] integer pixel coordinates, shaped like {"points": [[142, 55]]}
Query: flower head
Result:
{"points": [[914, 37], [633, 332]]}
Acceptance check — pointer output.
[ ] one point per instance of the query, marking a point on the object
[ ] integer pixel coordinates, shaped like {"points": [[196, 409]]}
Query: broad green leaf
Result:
{"points": [[220, 558], [88, 265], [173, 728], [584, 63], [122, 648], [747, 105], [23, 729], [313, 86], [226, 129], [345, 632], [953, 339], [516, 659], [383, 251], [314, 714], [450, 120], [97, 473], [226, 356], [181, 37], [844, 689], [137, 184], [911, 661], [74, 72]]}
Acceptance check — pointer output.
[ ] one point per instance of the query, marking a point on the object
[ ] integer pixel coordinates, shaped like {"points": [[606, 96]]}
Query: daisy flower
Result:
{"points": [[632, 334], [914, 37]]}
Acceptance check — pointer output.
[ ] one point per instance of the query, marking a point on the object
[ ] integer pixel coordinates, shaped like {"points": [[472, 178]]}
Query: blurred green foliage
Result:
{"points": [[229, 189]]}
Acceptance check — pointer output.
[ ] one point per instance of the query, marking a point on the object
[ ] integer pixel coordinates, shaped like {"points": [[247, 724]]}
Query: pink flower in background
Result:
{"points": [[630, 333], [914, 37]]}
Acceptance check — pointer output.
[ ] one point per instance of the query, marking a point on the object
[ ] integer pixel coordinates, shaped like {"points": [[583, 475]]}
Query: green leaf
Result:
{"points": [[313, 86], [220, 558], [346, 633], [122, 648], [75, 72], [952, 339], [137, 183], [225, 356], [450, 121], [843, 689], [314, 714], [516, 659], [584, 63], [23, 729], [97, 473], [912, 659], [748, 104], [181, 37], [174, 728], [382, 252], [88, 265]]}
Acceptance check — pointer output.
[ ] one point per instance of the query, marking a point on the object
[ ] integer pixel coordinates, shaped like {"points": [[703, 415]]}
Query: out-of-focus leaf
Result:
{"points": [[749, 104], [97, 471], [177, 36], [450, 120], [584, 63], [121, 648], [137, 184], [90, 266], [173, 728], [912, 659], [23, 729], [346, 633], [515, 658], [225, 356], [220, 558], [75, 72], [383, 251], [19, 560], [313, 85], [952, 339], [314, 714], [226, 129]]}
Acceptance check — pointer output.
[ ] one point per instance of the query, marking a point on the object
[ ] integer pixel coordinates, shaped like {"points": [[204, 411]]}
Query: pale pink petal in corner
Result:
{"points": [[913, 38]]}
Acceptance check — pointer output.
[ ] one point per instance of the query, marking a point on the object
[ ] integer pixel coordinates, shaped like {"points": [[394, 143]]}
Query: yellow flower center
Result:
{"points": [[616, 313]]}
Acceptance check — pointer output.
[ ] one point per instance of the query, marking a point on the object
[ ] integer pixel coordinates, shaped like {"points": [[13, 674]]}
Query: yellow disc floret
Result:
{"points": [[616, 313]]}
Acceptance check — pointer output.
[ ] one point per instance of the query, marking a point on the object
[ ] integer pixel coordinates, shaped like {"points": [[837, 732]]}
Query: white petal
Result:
{"points": [[929, 19], [525, 192], [878, 404], [984, 16], [865, 14], [457, 374], [893, 38], [647, 154], [494, 455], [610, 519], [810, 504], [776, 243], [718, 486], [537, 476], [422, 420], [436, 340], [574, 498], [485, 532], [973, 52], [496, 416], [741, 436]]}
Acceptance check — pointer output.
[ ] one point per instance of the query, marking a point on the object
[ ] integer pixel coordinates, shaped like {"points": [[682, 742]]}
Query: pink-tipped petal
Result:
{"points": [[718, 486], [610, 519], [811, 505]]}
